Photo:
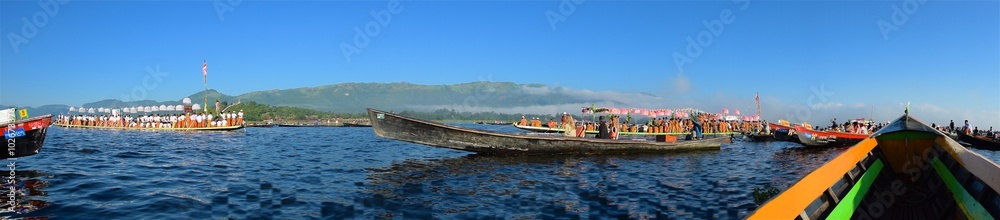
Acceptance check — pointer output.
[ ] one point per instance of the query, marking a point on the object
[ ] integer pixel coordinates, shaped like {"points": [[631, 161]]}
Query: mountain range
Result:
{"points": [[355, 97]]}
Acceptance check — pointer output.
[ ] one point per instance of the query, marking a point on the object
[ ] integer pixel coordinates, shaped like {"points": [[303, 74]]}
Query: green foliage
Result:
{"points": [[253, 111], [761, 195]]}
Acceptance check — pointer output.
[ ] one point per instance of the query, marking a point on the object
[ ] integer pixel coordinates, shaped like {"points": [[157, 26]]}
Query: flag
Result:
{"points": [[756, 97], [23, 113], [204, 71]]}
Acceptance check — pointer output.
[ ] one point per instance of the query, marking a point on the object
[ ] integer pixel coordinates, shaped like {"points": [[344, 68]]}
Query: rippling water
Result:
{"points": [[351, 173]]}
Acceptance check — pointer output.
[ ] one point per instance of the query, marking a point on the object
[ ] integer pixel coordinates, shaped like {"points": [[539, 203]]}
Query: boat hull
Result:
{"points": [[814, 138], [403, 128], [978, 142], [783, 133], [28, 136]]}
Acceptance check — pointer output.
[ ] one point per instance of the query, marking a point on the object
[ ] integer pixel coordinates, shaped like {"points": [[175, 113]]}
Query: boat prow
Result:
{"points": [[393, 126], [906, 170], [27, 136]]}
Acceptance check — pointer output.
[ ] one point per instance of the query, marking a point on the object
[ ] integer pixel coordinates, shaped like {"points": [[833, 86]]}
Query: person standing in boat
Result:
{"points": [[968, 128], [602, 128], [696, 126], [569, 125], [951, 126]]}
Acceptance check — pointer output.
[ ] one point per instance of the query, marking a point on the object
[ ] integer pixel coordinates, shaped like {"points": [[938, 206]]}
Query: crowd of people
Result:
{"points": [[611, 126], [968, 129], [853, 127], [186, 120]]}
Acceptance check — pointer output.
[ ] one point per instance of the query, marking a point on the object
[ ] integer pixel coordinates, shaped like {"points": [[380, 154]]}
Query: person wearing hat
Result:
{"points": [[524, 121]]}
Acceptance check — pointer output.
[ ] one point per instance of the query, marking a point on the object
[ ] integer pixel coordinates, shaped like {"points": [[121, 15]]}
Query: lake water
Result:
{"points": [[333, 173]]}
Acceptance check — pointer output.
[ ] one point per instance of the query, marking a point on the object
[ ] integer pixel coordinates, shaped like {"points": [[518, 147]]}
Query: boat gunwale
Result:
{"points": [[788, 204], [839, 135], [16, 122]]}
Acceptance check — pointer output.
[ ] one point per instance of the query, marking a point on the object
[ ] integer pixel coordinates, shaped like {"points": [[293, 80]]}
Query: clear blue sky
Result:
{"points": [[944, 57]]}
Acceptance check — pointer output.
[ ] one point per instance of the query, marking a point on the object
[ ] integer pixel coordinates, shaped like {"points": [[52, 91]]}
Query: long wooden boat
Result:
{"points": [[759, 136], [560, 130], [906, 170], [393, 126], [979, 141], [27, 136], [227, 128], [814, 138], [783, 131], [351, 124]]}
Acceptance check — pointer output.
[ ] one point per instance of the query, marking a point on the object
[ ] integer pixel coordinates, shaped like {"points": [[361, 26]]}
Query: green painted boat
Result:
{"points": [[906, 170]]}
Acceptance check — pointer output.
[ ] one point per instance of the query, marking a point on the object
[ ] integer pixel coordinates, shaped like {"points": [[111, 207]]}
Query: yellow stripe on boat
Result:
{"points": [[790, 203]]}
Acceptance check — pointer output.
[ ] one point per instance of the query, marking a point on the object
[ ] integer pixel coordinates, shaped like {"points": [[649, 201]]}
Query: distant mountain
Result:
{"points": [[41, 110], [355, 97]]}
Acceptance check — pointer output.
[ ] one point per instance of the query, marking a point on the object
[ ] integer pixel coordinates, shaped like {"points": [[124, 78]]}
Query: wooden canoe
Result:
{"points": [[393, 126], [979, 142], [228, 128], [783, 132], [813, 138], [906, 170]]}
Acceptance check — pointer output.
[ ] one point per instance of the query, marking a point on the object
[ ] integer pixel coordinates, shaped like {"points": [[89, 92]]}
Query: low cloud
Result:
{"points": [[680, 83]]}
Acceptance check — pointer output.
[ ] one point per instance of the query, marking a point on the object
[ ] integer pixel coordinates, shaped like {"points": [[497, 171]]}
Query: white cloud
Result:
{"points": [[828, 105], [680, 84]]}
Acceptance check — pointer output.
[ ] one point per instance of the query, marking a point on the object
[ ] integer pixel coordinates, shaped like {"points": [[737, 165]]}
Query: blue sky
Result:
{"points": [[944, 57]]}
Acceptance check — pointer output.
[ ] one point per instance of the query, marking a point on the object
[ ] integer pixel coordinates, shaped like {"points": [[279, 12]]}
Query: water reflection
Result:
{"points": [[23, 194]]}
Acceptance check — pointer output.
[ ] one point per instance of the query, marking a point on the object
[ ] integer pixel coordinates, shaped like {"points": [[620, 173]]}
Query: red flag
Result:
{"points": [[756, 97]]}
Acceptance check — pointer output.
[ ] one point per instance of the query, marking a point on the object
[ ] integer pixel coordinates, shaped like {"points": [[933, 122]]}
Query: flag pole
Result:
{"points": [[204, 72]]}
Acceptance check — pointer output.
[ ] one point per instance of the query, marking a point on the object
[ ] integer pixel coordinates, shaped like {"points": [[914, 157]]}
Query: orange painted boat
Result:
{"points": [[783, 131], [814, 138], [24, 137], [906, 170]]}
